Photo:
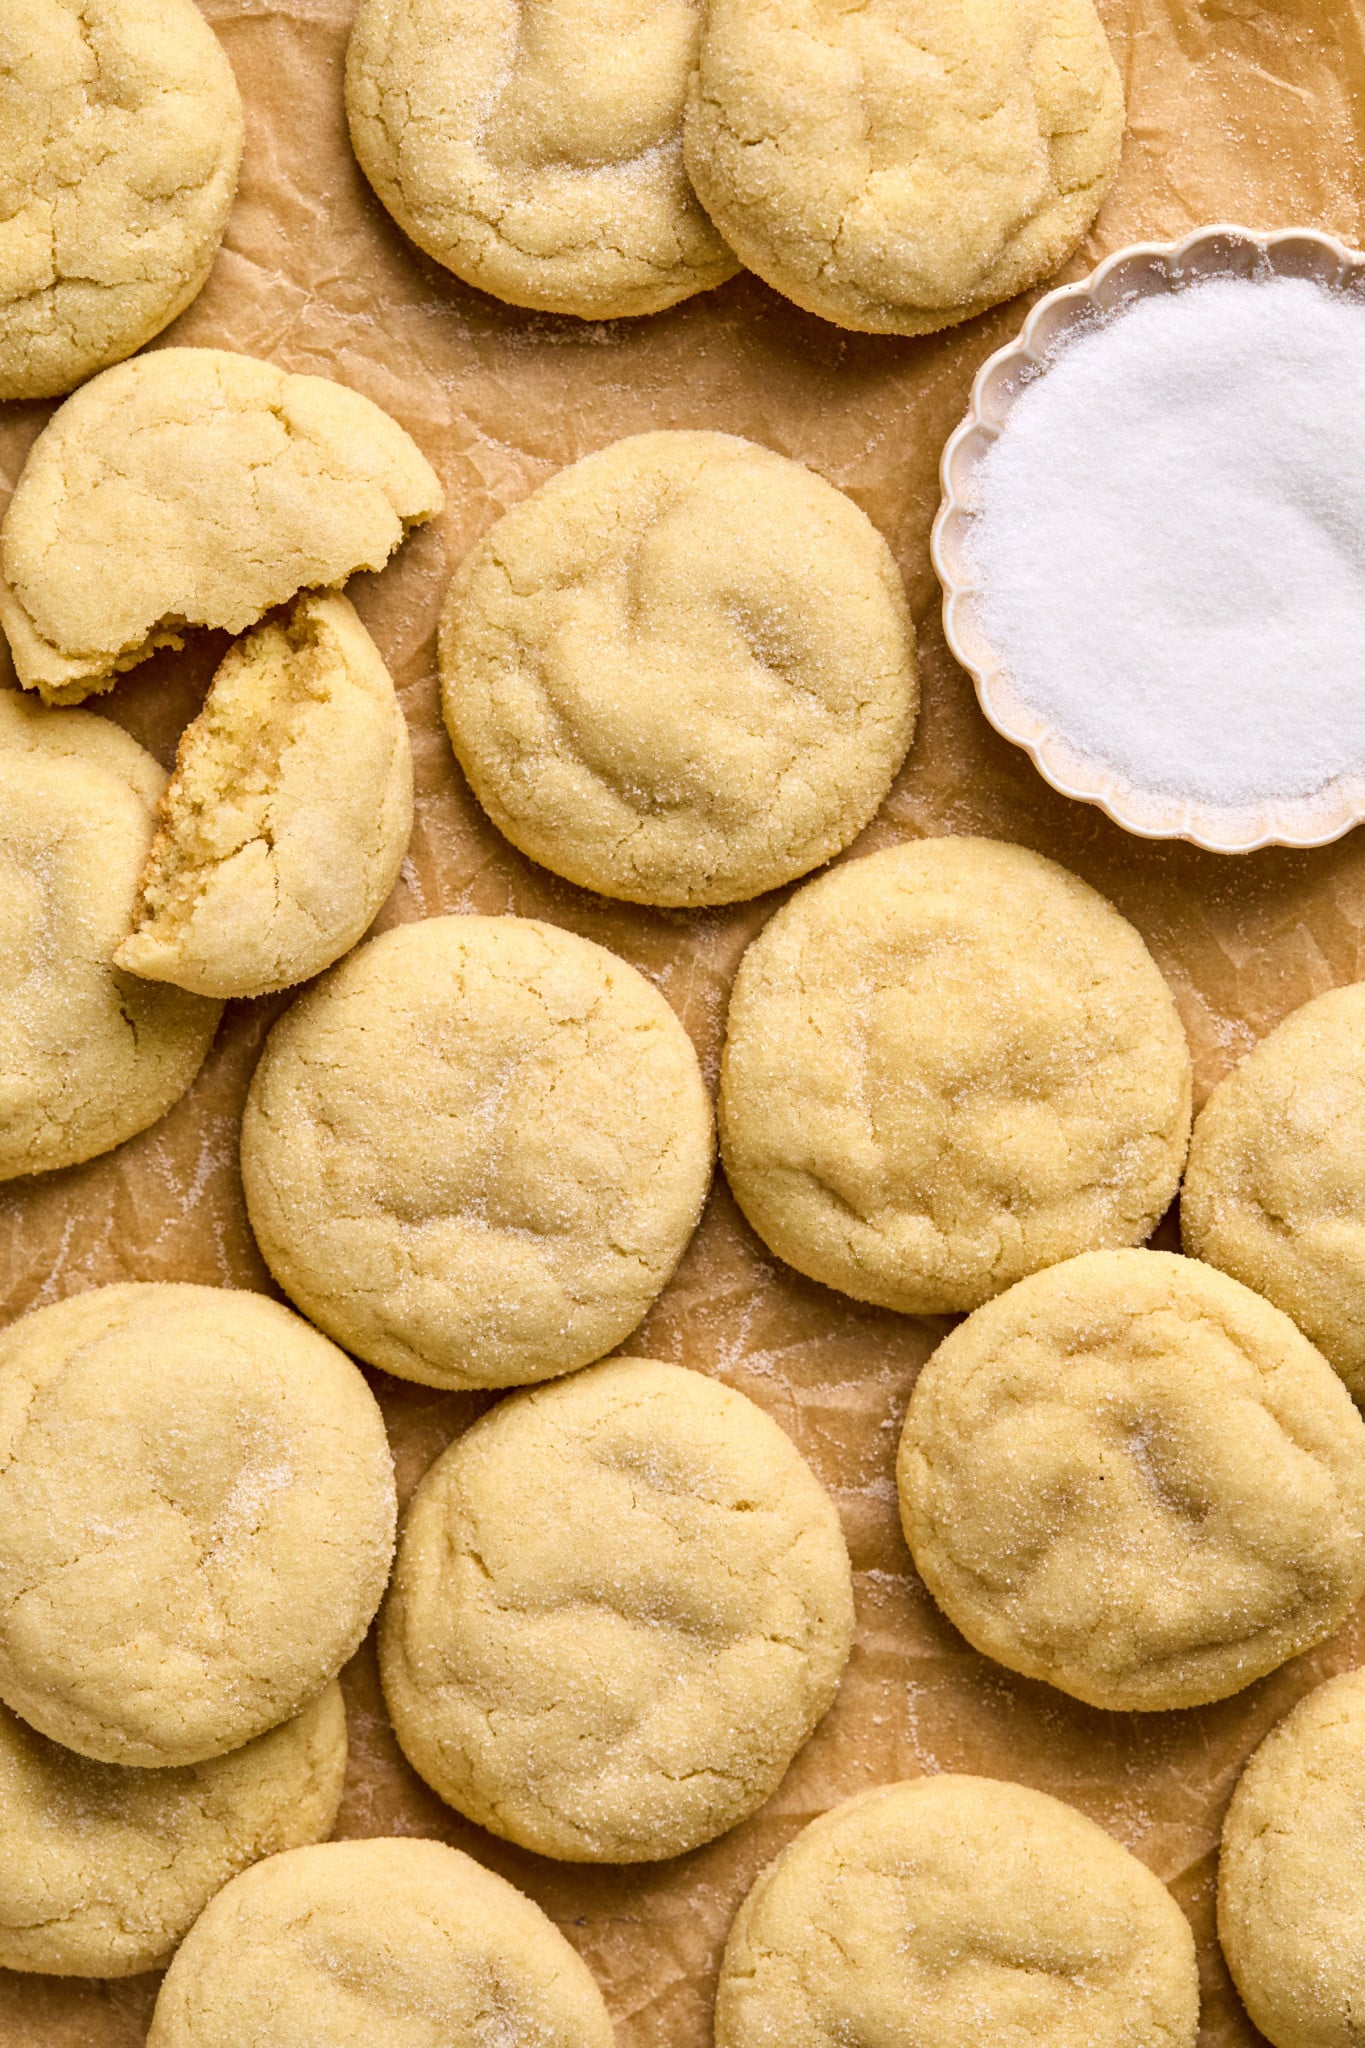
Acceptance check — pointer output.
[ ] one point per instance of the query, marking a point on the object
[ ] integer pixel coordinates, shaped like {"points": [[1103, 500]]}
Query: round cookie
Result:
{"points": [[946, 1066], [1291, 1874], [957, 1911], [899, 167], [534, 147], [193, 487], [475, 1152], [91, 1056], [1132, 1477], [681, 672], [106, 1869], [120, 140], [196, 1519], [288, 815], [621, 1605], [376, 1944], [1275, 1187]]}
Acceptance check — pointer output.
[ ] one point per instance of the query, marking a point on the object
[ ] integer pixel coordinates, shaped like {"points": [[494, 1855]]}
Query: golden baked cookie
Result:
{"points": [[475, 1152], [621, 1604], [193, 488], [903, 165], [377, 1944], [287, 817], [681, 672], [196, 1519], [948, 1065], [956, 1912], [105, 1869], [1132, 1477], [88, 1056], [1291, 1875], [1275, 1187], [120, 139], [534, 147]]}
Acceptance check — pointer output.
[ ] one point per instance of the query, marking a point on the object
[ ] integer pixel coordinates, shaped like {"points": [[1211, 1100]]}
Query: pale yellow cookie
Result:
{"points": [[948, 1065], [378, 1944], [1275, 1189], [196, 1519], [534, 147], [1291, 1875], [683, 671], [1134, 1478], [120, 139], [475, 1152], [88, 1055], [193, 488], [287, 817], [903, 165], [105, 1869], [955, 1912], [621, 1605]]}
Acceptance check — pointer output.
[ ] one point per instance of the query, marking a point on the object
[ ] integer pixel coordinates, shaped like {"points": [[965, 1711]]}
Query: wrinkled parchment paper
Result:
{"points": [[1244, 110]]}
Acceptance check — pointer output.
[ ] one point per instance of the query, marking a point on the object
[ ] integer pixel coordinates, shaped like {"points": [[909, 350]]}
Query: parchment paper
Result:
{"points": [[1245, 110]]}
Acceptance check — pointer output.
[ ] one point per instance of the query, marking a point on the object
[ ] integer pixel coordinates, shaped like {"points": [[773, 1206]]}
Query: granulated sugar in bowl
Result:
{"points": [[1152, 540]]}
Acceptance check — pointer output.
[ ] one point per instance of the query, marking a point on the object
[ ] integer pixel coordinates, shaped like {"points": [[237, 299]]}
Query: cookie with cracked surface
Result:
{"points": [[621, 1604], [948, 1065], [91, 1056], [475, 1152], [901, 166], [957, 1910], [193, 487], [287, 818], [534, 147], [196, 1519], [120, 141], [1274, 1191], [681, 672], [106, 1869], [401, 1942], [1291, 1873], [1132, 1477]]}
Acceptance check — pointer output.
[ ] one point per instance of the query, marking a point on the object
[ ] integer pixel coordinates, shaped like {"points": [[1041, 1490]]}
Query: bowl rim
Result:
{"points": [[1139, 269]]}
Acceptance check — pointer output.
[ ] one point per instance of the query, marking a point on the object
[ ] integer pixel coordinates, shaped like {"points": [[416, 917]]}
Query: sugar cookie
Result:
{"points": [[377, 1944], [475, 1152], [193, 488], [90, 1056], [620, 1606], [1134, 1478], [1275, 1189], [196, 1519], [958, 1911], [901, 166], [288, 814], [1291, 1875], [681, 672], [534, 147], [948, 1065], [106, 1869], [120, 138]]}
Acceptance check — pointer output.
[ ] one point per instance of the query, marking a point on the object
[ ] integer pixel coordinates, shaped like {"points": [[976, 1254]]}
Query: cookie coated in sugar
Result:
{"points": [[193, 487], [955, 1911], [621, 1604], [903, 165], [681, 672], [534, 147], [1132, 1477], [120, 141]]}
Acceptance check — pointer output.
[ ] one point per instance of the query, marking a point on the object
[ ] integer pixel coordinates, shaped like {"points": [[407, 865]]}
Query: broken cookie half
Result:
{"points": [[285, 823]]}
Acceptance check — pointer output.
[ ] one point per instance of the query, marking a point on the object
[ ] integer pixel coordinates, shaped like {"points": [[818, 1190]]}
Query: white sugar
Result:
{"points": [[1170, 541]]}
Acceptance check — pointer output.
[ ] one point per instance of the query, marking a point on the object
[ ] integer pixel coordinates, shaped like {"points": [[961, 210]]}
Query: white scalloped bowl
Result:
{"points": [[1144, 269]]}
